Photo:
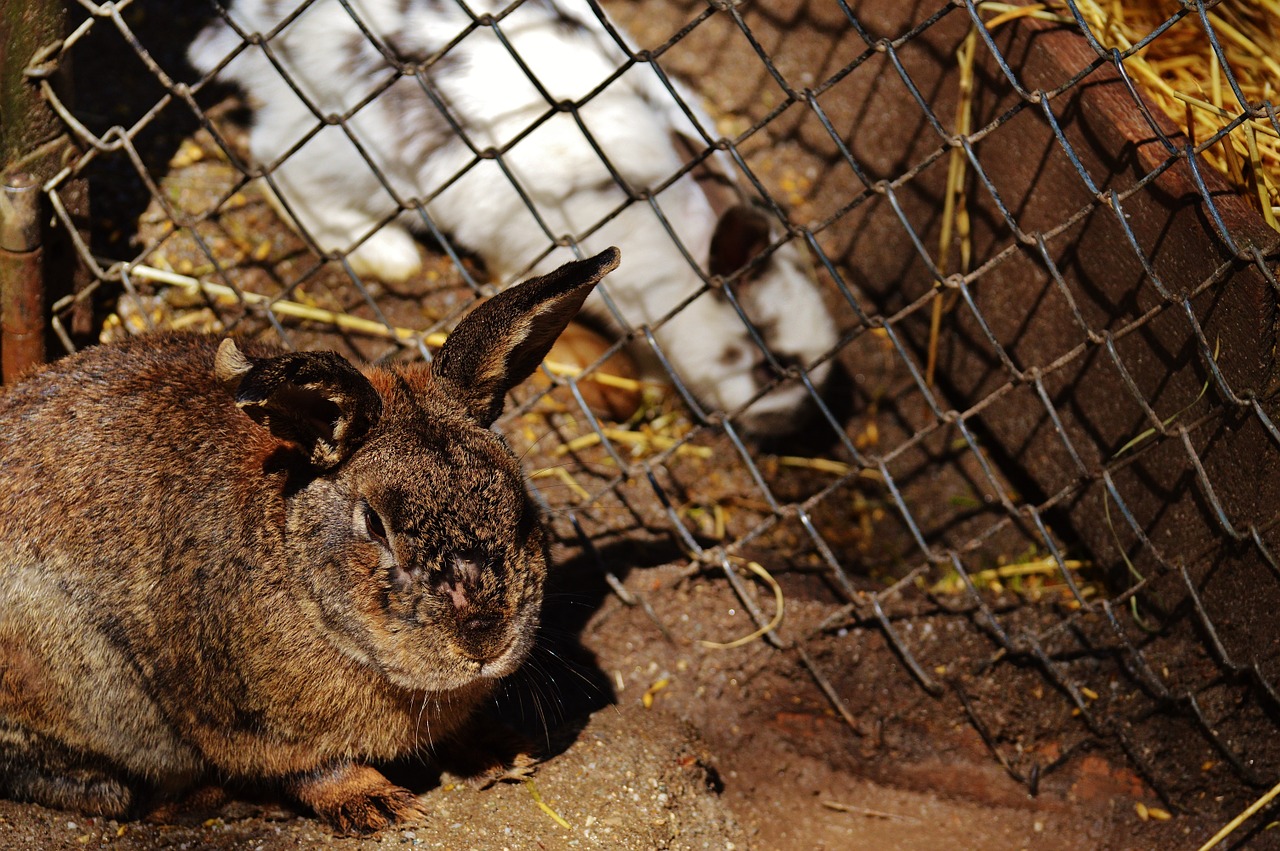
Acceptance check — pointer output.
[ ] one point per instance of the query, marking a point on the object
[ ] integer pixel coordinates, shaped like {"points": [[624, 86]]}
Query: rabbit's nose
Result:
{"points": [[458, 578], [460, 581], [765, 372]]}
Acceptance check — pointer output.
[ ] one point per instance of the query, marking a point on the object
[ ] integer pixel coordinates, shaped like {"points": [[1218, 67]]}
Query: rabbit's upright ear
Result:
{"points": [[501, 342], [316, 400], [741, 233]]}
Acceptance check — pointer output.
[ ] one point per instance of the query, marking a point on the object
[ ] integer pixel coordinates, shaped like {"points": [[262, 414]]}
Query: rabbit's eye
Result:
{"points": [[735, 356], [373, 525]]}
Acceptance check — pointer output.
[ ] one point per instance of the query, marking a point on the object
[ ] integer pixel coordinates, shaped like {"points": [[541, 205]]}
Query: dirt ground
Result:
{"points": [[818, 737], [737, 750]]}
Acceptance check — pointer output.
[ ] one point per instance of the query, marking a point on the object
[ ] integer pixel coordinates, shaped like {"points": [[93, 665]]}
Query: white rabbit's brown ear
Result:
{"points": [[741, 233], [316, 400], [501, 342]]}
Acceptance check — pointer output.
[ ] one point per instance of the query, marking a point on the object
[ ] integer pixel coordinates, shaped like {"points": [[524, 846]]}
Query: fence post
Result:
{"points": [[22, 296], [34, 146]]}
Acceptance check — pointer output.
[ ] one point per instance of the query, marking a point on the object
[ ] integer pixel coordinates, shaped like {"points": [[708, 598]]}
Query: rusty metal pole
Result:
{"points": [[22, 298], [34, 146]]}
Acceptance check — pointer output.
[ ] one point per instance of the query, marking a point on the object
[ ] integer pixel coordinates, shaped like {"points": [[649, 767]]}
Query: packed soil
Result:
{"points": [[654, 742], [654, 732]]}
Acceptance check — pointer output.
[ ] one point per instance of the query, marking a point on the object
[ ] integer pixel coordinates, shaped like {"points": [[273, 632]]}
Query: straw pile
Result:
{"points": [[1182, 73]]}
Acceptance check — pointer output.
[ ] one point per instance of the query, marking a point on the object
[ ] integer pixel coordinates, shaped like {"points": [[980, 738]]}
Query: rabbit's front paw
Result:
{"points": [[512, 770], [488, 752], [356, 799], [389, 255]]}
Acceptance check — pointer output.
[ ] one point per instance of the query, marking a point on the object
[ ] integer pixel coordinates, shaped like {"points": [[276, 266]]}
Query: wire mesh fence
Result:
{"points": [[1049, 427]]}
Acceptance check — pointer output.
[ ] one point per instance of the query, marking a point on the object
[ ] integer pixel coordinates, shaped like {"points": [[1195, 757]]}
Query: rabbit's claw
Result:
{"points": [[521, 767], [357, 799]]}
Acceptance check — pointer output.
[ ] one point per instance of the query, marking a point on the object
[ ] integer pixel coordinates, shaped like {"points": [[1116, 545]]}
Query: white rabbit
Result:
{"points": [[424, 142]]}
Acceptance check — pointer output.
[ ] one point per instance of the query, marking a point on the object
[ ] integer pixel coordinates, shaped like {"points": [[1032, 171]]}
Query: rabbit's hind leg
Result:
{"points": [[391, 254], [36, 770], [78, 729]]}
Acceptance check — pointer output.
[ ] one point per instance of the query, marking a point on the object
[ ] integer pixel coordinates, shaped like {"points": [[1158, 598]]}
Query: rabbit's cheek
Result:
{"points": [[525, 601], [779, 410], [400, 579]]}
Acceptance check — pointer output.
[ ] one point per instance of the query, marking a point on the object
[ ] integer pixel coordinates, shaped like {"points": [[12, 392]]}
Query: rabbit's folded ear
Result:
{"points": [[316, 400], [501, 342], [741, 233]]}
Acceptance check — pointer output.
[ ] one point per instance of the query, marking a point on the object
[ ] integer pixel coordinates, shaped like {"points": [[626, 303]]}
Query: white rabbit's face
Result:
{"points": [[724, 364], [784, 303], [725, 371]]}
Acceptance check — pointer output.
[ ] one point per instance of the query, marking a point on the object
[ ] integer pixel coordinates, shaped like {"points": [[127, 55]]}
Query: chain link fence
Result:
{"points": [[1050, 429]]}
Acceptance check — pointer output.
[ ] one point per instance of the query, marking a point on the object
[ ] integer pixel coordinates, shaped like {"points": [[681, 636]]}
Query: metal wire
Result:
{"points": [[1108, 466]]}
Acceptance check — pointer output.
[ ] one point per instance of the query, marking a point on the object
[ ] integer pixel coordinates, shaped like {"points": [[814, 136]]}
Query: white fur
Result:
{"points": [[339, 201]]}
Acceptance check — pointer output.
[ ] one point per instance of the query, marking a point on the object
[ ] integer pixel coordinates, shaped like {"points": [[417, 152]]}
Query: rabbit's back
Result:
{"points": [[418, 95], [118, 444]]}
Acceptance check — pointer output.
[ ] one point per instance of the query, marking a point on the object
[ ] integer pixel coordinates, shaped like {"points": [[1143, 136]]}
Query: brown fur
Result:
{"points": [[282, 572]]}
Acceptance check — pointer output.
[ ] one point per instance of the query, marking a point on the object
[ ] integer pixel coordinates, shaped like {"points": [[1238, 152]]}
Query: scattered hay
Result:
{"points": [[1182, 73], [779, 606], [1230, 827], [1031, 578], [642, 442], [225, 296], [1146, 813], [956, 226], [647, 698], [546, 808], [841, 807]]}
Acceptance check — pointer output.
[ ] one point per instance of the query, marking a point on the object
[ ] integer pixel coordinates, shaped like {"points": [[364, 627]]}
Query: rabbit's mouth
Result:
{"points": [[513, 655], [503, 650]]}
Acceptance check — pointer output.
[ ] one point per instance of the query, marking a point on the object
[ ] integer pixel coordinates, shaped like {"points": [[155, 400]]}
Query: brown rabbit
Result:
{"points": [[234, 562]]}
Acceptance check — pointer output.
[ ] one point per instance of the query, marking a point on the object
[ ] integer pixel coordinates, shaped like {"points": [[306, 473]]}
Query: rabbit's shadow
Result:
{"points": [[562, 684]]}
